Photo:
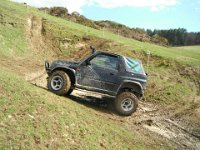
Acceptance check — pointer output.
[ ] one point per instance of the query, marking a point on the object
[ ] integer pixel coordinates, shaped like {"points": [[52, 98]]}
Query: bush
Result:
{"points": [[59, 11]]}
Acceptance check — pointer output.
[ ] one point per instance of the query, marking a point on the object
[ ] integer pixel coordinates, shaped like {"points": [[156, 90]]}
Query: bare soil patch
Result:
{"points": [[40, 39]]}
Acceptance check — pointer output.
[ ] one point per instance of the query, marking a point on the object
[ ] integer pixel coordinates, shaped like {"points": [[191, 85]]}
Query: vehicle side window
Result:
{"points": [[105, 61]]}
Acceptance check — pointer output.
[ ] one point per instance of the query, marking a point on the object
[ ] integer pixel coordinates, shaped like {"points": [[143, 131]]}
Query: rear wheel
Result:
{"points": [[126, 103], [59, 83]]}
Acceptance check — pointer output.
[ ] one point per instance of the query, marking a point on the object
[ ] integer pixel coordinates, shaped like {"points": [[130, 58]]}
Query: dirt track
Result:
{"points": [[148, 118]]}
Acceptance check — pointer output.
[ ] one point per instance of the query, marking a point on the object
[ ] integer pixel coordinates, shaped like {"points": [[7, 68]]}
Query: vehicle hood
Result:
{"points": [[64, 63]]}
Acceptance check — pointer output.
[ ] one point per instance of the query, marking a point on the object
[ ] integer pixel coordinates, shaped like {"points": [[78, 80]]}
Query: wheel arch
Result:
{"points": [[134, 87], [69, 71]]}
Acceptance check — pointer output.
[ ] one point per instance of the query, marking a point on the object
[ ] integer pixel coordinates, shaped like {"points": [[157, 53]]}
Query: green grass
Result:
{"points": [[191, 53], [13, 43], [167, 87], [33, 118], [12, 32]]}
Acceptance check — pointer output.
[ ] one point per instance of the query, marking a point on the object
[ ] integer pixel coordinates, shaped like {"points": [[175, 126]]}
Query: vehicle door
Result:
{"points": [[100, 72]]}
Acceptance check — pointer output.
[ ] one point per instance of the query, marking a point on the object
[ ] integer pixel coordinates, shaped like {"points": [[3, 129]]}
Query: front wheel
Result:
{"points": [[59, 83], [69, 92], [126, 103]]}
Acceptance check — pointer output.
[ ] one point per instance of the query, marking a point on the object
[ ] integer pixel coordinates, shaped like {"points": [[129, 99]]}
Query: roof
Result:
{"points": [[107, 52], [110, 53]]}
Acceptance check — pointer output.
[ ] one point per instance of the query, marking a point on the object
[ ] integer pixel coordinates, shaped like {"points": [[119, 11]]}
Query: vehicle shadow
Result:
{"points": [[103, 104]]}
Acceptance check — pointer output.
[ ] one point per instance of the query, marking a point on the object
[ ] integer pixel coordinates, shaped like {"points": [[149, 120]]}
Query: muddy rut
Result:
{"points": [[149, 117]]}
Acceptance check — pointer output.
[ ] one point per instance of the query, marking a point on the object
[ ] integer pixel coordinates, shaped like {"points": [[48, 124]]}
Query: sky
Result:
{"points": [[147, 14]]}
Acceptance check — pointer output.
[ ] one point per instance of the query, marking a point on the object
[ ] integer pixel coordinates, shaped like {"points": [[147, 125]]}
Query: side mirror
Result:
{"points": [[46, 64], [87, 62]]}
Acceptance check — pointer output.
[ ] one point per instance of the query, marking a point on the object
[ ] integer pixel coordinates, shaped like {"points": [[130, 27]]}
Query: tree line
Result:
{"points": [[177, 37]]}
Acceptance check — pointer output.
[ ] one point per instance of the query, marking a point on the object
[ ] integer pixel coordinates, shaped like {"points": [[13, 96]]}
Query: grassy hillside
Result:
{"points": [[31, 117], [45, 36], [184, 56], [61, 28]]}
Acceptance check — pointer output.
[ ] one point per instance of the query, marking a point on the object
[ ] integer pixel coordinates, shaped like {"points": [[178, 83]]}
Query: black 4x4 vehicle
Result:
{"points": [[103, 72]]}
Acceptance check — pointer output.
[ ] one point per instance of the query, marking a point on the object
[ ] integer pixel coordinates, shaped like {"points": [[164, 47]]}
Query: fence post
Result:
{"points": [[148, 57]]}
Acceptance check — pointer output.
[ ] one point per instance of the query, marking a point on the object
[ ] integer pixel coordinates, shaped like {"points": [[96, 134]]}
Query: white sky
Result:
{"points": [[76, 5]]}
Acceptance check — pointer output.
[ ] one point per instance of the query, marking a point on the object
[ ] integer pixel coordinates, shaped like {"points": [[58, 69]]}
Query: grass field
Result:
{"points": [[33, 118]]}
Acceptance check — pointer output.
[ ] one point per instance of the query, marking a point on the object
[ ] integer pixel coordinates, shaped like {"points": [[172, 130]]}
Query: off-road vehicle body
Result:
{"points": [[102, 72]]}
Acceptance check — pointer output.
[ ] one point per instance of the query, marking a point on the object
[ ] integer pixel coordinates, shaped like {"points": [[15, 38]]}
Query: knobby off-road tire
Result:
{"points": [[126, 103], [59, 83]]}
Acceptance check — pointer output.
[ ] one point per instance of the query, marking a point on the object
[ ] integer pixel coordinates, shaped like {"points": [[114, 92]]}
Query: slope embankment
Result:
{"points": [[31, 117]]}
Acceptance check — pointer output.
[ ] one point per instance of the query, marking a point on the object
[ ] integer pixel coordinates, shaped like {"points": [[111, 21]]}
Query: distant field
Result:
{"points": [[190, 53], [195, 48]]}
